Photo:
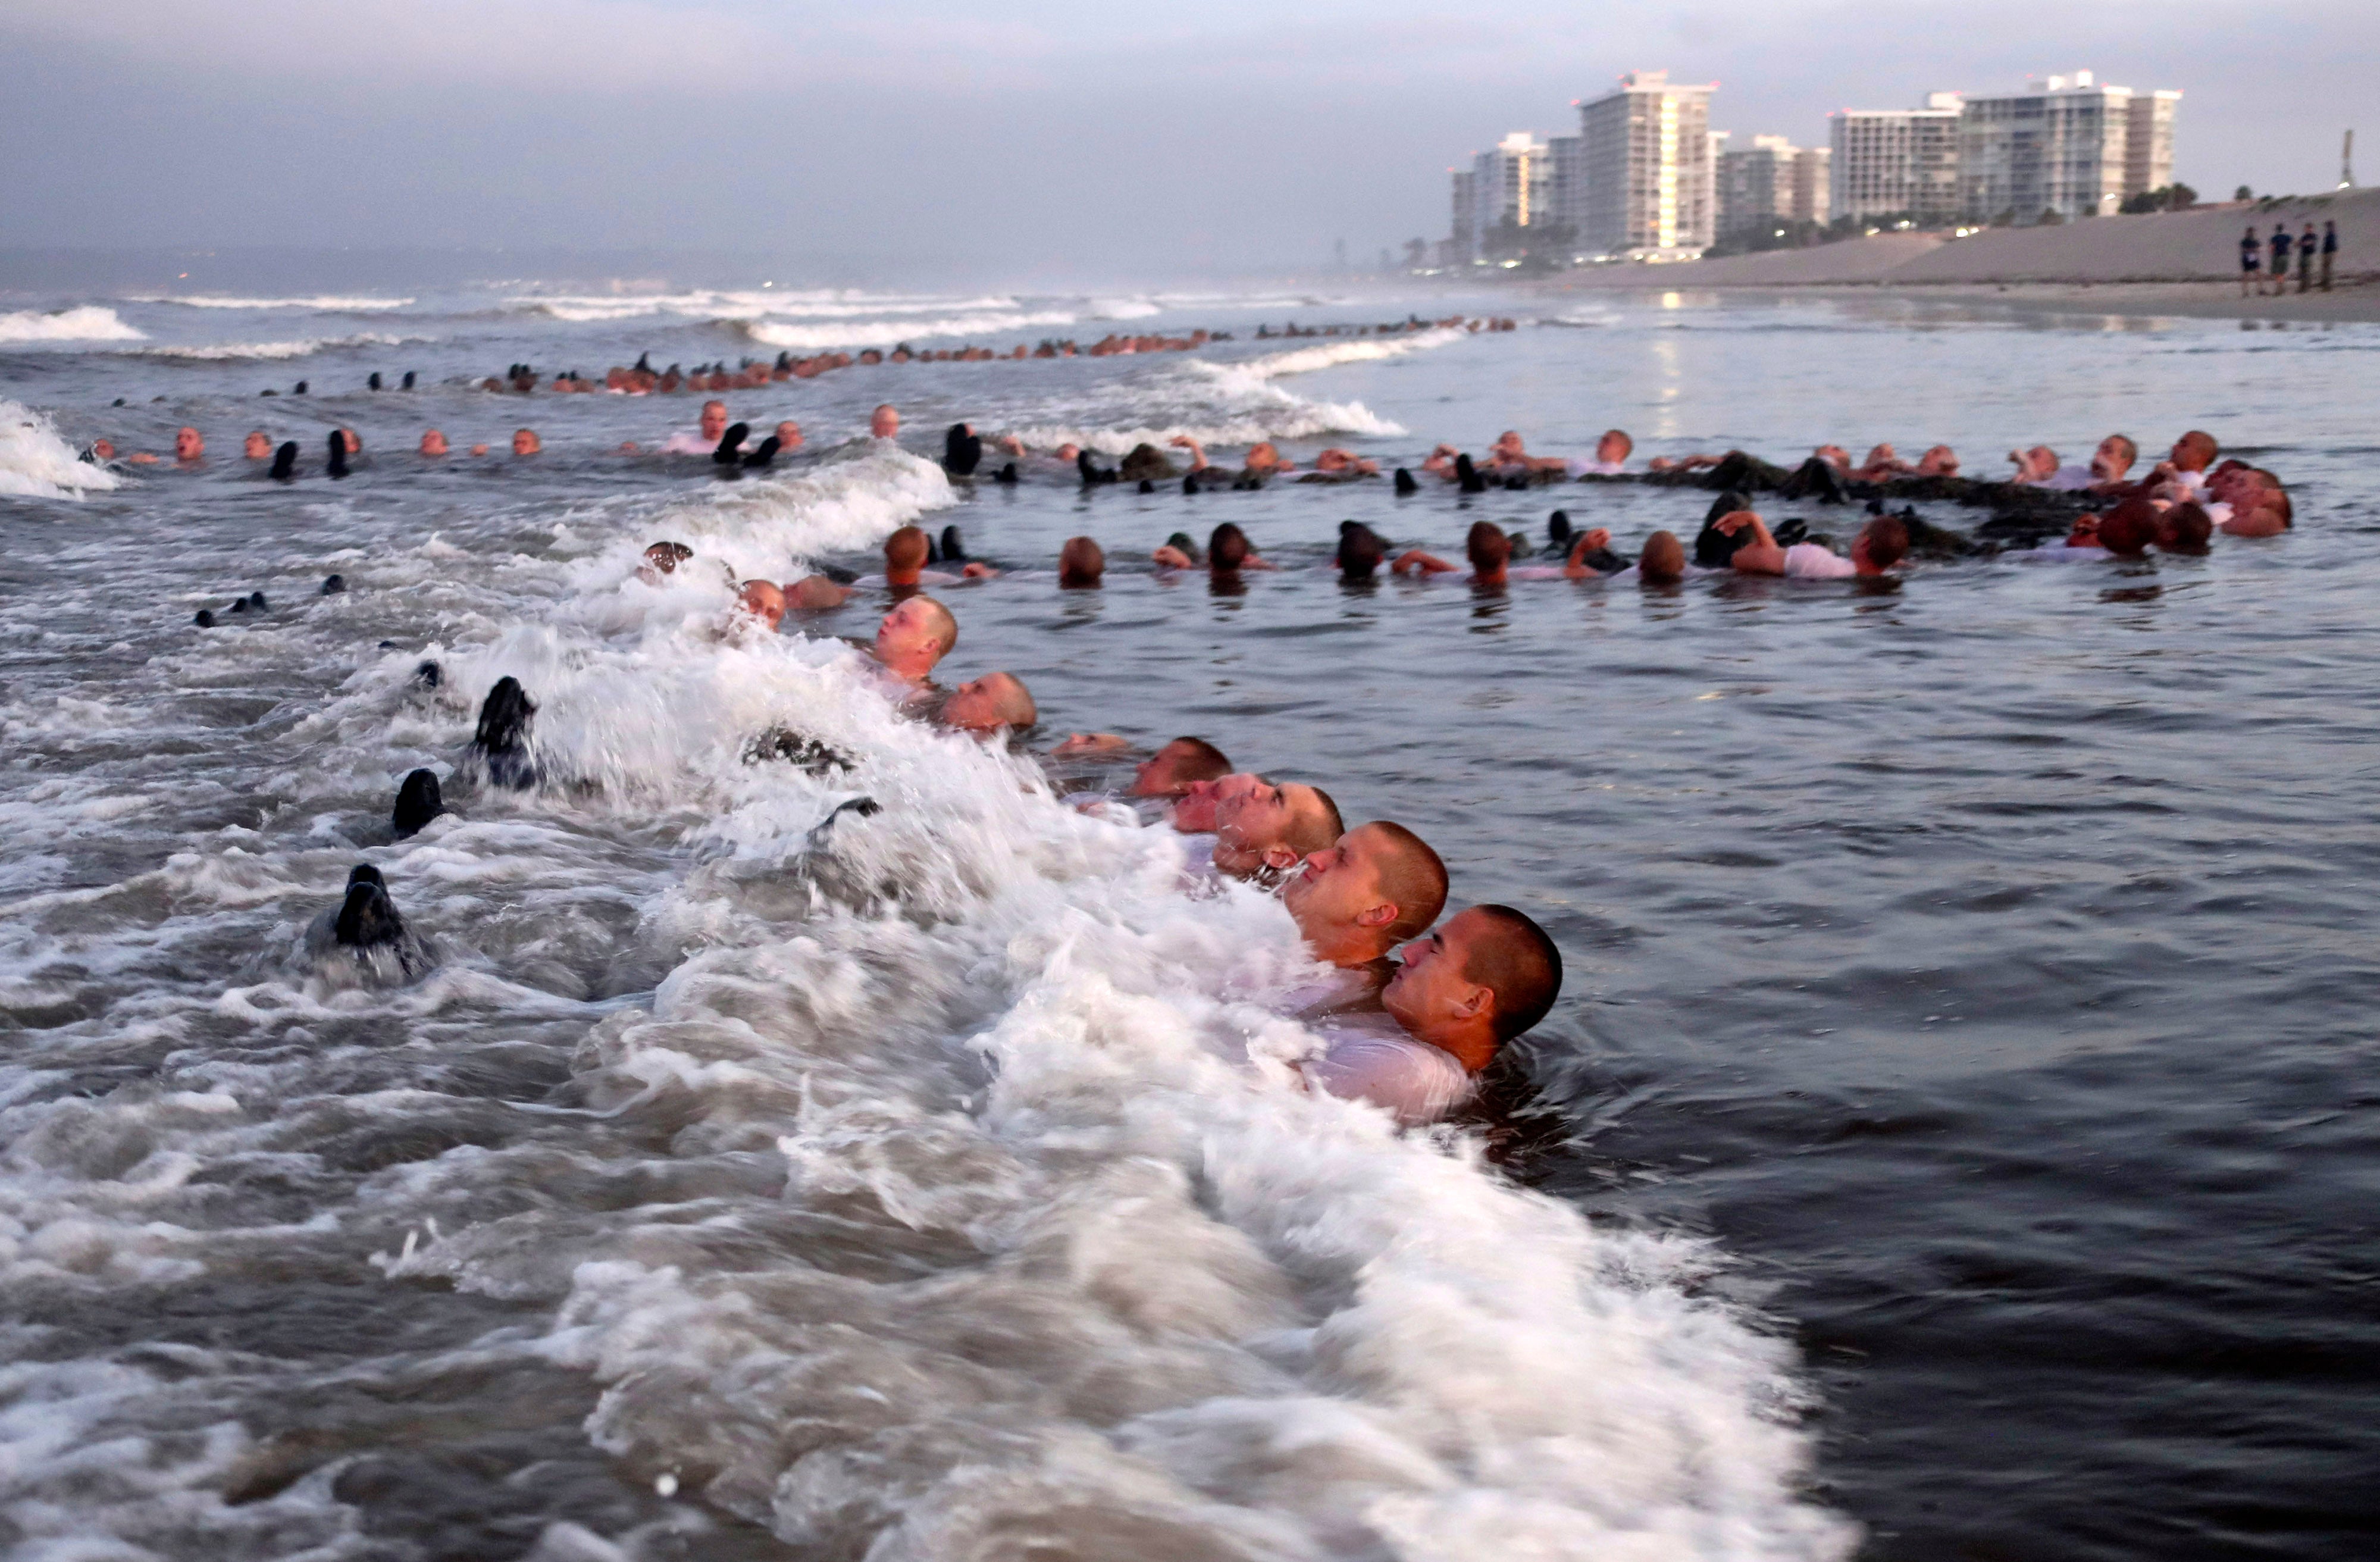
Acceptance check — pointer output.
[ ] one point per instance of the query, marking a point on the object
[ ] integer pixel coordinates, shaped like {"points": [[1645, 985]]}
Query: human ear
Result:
{"points": [[1280, 857], [1377, 916]]}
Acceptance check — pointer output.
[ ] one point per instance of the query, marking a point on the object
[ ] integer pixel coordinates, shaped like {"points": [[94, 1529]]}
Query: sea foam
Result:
{"points": [[35, 463], [90, 322]]}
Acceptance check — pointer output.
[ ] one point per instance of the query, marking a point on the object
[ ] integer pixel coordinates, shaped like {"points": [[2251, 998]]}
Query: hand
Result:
{"points": [[974, 571], [1597, 537], [1171, 557], [1729, 525], [1089, 743]]}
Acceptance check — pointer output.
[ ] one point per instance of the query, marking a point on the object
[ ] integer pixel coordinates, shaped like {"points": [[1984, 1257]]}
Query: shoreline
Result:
{"points": [[2353, 302]]}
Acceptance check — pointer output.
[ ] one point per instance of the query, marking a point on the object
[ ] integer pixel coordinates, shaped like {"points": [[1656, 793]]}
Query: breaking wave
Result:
{"points": [[90, 322], [37, 464]]}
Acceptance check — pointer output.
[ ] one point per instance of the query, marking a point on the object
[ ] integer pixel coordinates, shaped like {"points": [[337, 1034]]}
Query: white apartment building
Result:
{"points": [[1898, 162], [1649, 189], [2065, 145], [1512, 183]]}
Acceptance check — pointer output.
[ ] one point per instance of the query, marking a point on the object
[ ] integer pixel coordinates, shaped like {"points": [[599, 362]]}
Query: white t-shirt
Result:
{"points": [[1596, 468], [1808, 561], [1418, 1082], [690, 445], [2069, 480]]}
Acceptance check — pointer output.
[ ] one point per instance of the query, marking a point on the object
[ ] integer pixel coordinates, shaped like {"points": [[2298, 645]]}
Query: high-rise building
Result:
{"points": [[1566, 197], [1754, 184], [1900, 162], [1463, 236], [1769, 183], [1813, 188], [2148, 141], [1511, 183], [1646, 148], [2062, 145]]}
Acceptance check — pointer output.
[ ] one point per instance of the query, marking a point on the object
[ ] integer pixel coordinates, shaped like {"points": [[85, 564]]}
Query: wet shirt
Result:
{"points": [[1417, 1082], [1808, 561]]}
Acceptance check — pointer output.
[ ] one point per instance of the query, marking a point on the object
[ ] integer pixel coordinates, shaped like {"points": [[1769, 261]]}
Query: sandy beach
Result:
{"points": [[2169, 263]]}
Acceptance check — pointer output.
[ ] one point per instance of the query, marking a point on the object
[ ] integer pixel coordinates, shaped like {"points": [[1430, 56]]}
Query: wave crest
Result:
{"points": [[88, 323]]}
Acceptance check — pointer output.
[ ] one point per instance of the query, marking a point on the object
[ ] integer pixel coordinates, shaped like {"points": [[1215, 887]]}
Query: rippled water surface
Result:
{"points": [[1955, 1139]]}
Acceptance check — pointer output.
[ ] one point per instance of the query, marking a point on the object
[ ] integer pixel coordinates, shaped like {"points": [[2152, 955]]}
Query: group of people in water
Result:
{"points": [[1410, 1035], [749, 373]]}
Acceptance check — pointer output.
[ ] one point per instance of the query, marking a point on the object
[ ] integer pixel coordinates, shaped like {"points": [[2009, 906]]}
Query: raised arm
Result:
{"points": [[1589, 541], [1760, 556], [1414, 561]]}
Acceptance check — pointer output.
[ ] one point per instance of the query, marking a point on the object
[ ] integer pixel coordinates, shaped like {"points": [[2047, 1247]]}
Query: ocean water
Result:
{"points": [[1955, 1137]]}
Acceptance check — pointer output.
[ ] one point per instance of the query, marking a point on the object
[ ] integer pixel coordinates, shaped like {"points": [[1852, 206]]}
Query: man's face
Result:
{"points": [[1202, 801], [188, 445], [2111, 461], [433, 444], [763, 601], [976, 706], [1613, 447], [789, 436], [256, 447], [1258, 817], [907, 632], [2191, 455], [714, 419], [525, 442], [1159, 774], [1429, 990], [1339, 884], [885, 423], [352, 440]]}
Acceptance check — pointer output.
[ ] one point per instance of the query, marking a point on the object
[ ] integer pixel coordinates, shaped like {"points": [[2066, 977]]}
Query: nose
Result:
{"points": [[1316, 861]]}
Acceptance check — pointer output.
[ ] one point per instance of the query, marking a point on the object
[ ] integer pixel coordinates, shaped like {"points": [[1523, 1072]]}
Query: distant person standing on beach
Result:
{"points": [[2329, 251], [2279, 270], [2308, 242], [2252, 261]]}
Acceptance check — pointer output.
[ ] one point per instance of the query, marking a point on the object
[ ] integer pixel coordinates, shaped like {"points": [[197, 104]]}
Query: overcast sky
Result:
{"points": [[1065, 141]]}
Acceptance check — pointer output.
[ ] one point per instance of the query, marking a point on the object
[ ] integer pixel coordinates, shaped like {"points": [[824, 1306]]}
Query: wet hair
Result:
{"points": [[2124, 443], [2186, 527], [1228, 548], [1203, 761], [1011, 702], [667, 556], [2129, 527], [337, 464], [909, 548], [1520, 965], [1180, 542], [1081, 562], [1314, 830], [1488, 547], [1623, 436], [2199, 439], [1361, 550], [1664, 558], [1412, 875], [1888, 541]]}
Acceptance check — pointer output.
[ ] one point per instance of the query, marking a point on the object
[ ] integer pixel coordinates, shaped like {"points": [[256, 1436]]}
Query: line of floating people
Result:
{"points": [[1412, 1011]]}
